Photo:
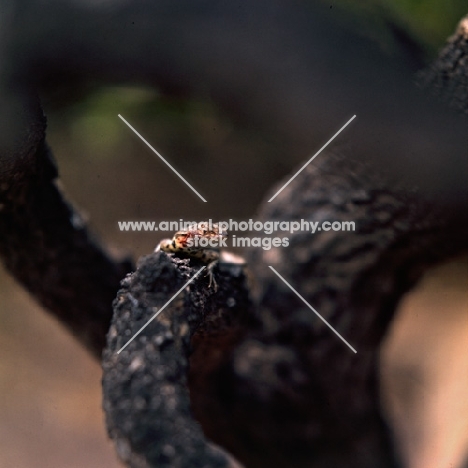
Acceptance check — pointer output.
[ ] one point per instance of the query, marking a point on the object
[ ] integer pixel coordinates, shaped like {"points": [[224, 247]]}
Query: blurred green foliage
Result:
{"points": [[428, 22], [92, 123], [431, 21]]}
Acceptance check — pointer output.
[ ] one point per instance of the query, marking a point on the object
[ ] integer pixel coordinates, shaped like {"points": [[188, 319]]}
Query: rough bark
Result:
{"points": [[282, 390], [146, 395], [354, 280], [447, 77], [44, 243]]}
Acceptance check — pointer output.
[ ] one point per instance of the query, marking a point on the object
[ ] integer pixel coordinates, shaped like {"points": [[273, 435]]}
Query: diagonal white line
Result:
{"points": [[161, 309], [312, 309], [158, 154], [312, 158]]}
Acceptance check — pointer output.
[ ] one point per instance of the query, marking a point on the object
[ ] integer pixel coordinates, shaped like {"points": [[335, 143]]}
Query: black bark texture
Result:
{"points": [[146, 394], [447, 77], [44, 242]]}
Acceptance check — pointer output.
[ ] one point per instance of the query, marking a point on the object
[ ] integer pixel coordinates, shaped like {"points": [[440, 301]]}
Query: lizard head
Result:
{"points": [[202, 229]]}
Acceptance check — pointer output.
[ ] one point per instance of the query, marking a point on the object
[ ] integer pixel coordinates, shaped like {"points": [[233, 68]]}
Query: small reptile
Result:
{"points": [[185, 244]]}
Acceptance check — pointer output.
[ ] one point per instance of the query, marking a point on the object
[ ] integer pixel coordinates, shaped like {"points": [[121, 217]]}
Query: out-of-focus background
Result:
{"points": [[50, 413]]}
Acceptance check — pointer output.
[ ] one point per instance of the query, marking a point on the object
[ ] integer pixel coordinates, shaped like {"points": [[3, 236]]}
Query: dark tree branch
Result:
{"points": [[327, 397], [447, 77], [146, 396], [274, 385], [44, 242]]}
